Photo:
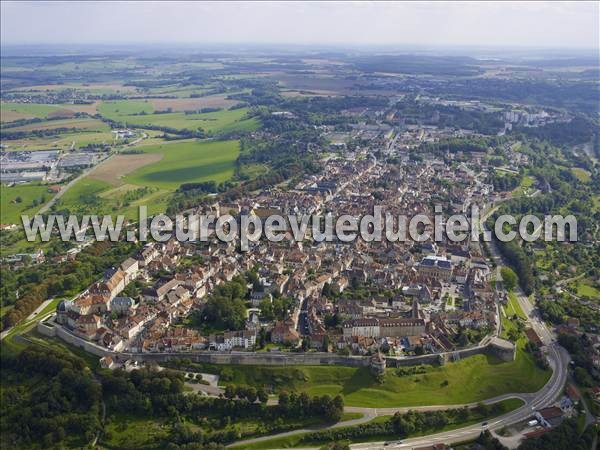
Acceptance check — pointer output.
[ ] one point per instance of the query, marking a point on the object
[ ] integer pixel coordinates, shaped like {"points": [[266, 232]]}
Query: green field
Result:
{"points": [[514, 307], [129, 112], [469, 380], [91, 196], [84, 123], [11, 209], [64, 141], [14, 111], [187, 162], [119, 108], [182, 162], [525, 186], [585, 288]]}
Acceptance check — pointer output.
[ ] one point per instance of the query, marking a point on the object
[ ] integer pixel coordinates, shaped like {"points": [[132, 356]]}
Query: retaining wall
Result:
{"points": [[50, 328]]}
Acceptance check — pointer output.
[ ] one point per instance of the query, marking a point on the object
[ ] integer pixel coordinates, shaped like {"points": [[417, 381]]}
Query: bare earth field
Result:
{"points": [[113, 170], [89, 109], [7, 115], [192, 104]]}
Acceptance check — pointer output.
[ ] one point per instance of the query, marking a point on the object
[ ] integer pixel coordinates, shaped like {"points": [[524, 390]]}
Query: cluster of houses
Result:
{"points": [[393, 295]]}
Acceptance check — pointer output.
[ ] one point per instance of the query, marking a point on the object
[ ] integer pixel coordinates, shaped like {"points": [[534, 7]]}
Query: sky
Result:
{"points": [[480, 24]]}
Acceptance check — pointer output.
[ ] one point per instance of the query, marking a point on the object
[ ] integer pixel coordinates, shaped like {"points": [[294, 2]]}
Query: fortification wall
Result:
{"points": [[269, 359]]}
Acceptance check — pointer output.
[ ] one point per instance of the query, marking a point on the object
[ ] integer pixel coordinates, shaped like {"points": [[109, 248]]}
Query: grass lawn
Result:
{"points": [[469, 380], [581, 174], [187, 162], [298, 441], [585, 288], [514, 306], [11, 209], [596, 202], [525, 186]]}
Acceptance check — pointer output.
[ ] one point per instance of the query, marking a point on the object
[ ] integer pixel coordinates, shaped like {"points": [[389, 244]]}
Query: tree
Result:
{"points": [[509, 277], [229, 391], [251, 394], [326, 343], [262, 395]]}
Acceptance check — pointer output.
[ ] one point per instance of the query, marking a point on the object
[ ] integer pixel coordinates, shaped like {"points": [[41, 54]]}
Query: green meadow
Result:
{"points": [[116, 109], [14, 111], [141, 113], [187, 162], [21, 199]]}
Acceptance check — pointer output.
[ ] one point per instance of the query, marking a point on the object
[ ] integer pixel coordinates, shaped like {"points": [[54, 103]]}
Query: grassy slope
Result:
{"points": [[514, 307], [469, 380], [581, 174]]}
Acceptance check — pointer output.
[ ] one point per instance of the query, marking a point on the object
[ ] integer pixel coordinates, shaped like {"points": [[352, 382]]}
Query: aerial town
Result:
{"points": [[311, 225]]}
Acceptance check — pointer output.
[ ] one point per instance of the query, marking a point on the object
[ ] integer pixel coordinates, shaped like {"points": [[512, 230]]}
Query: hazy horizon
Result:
{"points": [[417, 25]]}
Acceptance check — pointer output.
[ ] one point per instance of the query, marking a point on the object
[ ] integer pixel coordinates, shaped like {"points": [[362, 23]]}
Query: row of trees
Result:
{"points": [[402, 425], [30, 286]]}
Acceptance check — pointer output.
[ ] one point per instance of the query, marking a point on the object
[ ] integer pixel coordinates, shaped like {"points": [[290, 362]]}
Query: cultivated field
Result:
{"points": [[187, 162], [140, 113], [10, 112], [193, 104], [113, 170], [14, 111], [124, 182], [79, 123]]}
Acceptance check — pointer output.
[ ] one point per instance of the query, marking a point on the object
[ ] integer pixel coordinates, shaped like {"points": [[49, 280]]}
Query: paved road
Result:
{"points": [[69, 185]]}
